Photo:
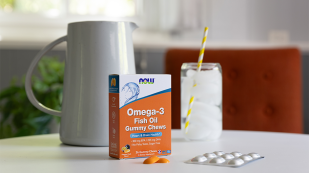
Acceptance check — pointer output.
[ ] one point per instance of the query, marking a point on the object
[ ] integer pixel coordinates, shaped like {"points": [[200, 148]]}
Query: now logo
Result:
{"points": [[146, 80]]}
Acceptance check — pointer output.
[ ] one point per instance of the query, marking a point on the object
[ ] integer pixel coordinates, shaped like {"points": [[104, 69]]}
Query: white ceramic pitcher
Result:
{"points": [[95, 49]]}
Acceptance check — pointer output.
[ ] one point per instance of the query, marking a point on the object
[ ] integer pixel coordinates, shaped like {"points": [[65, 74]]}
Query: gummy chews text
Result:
{"points": [[148, 113]]}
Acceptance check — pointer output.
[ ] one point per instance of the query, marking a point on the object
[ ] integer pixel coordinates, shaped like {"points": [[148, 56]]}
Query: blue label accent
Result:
{"points": [[168, 151], [113, 81], [145, 135], [160, 92], [134, 89]]}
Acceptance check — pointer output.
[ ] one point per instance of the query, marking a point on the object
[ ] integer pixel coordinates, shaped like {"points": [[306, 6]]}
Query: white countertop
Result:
{"points": [[283, 152], [163, 44]]}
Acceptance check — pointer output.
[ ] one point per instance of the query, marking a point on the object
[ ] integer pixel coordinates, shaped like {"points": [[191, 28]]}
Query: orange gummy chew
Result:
{"points": [[151, 160], [163, 160]]}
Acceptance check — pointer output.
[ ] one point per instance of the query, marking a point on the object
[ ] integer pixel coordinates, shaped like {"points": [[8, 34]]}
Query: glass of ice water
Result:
{"points": [[206, 114]]}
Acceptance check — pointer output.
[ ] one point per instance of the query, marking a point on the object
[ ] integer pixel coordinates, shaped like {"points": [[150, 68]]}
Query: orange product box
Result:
{"points": [[139, 115]]}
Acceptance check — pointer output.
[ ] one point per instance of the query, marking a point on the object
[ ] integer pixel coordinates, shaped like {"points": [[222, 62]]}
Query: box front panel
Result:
{"points": [[145, 115]]}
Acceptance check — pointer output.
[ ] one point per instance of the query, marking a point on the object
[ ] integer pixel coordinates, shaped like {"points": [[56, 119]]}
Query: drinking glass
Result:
{"points": [[205, 120]]}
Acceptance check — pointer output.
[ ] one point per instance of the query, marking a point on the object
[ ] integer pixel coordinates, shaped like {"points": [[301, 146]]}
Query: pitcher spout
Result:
{"points": [[133, 26]]}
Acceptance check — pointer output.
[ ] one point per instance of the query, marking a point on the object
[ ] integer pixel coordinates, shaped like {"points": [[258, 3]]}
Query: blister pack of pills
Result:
{"points": [[220, 158]]}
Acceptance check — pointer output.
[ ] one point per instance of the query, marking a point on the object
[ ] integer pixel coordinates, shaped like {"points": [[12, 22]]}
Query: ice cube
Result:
{"points": [[212, 76], [212, 111], [201, 118], [190, 73], [197, 131], [207, 89], [212, 99], [208, 93], [186, 86], [202, 127]]}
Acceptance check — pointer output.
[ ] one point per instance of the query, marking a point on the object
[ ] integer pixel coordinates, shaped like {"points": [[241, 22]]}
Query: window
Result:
{"points": [[54, 8], [113, 8], [46, 20]]}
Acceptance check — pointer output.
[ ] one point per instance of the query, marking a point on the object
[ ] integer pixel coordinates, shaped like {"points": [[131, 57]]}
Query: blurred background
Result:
{"points": [[26, 26]]}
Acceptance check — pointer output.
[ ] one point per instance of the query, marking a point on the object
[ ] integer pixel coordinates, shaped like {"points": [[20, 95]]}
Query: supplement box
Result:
{"points": [[139, 115]]}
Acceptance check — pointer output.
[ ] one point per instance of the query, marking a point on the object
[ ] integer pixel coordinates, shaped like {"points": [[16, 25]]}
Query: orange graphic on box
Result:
{"points": [[126, 149], [113, 82]]}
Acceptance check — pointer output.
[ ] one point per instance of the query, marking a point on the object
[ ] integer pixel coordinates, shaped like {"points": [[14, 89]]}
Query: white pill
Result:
{"points": [[245, 157], [219, 153], [217, 160], [210, 155], [254, 155], [236, 153], [199, 159], [227, 156], [236, 162]]}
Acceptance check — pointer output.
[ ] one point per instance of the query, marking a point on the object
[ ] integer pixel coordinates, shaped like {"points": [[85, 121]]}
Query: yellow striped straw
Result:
{"points": [[199, 65], [200, 58]]}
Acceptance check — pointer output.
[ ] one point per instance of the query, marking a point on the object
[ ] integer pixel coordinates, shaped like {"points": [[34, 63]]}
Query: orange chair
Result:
{"points": [[261, 88]]}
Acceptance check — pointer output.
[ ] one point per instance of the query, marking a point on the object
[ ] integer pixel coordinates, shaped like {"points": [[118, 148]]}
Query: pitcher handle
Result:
{"points": [[28, 84]]}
